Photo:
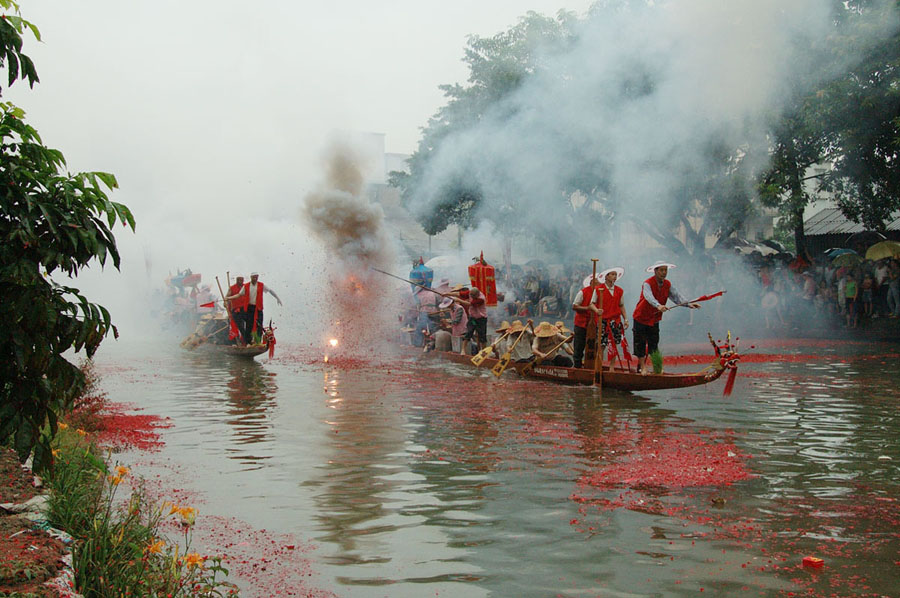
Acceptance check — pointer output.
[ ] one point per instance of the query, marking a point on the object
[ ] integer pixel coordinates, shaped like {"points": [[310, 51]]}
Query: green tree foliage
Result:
{"points": [[498, 65], [847, 125], [51, 222], [859, 111]]}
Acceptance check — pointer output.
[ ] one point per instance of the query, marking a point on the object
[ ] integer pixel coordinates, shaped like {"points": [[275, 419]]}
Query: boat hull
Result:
{"points": [[247, 352], [614, 378]]}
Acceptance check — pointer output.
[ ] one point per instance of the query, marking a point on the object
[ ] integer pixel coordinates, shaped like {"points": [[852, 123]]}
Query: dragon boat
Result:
{"points": [[212, 335], [617, 378]]}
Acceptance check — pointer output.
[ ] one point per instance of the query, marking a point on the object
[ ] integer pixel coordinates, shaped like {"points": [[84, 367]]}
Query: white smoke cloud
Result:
{"points": [[643, 89]]}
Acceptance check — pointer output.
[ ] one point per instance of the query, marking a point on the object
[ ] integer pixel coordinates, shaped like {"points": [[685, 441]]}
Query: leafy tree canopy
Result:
{"points": [[51, 222]]}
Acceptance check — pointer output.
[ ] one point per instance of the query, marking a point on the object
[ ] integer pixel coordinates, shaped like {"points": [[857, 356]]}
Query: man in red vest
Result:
{"points": [[238, 309], [253, 291], [587, 308], [612, 308], [651, 305]]}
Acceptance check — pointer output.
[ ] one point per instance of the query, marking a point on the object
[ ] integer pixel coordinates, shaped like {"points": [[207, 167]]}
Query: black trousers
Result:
{"points": [[560, 360], [646, 339], [251, 315], [239, 317], [578, 344]]}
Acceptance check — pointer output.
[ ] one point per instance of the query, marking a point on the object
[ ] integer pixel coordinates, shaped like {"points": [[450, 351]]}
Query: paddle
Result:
{"points": [[501, 365], [479, 357], [539, 360]]}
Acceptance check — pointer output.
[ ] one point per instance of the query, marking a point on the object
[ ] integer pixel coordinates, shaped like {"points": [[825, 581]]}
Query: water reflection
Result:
{"points": [[437, 481], [239, 393], [250, 394]]}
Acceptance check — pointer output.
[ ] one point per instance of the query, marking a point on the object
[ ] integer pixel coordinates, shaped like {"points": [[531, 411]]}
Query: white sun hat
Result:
{"points": [[587, 281], [660, 265], [617, 269]]}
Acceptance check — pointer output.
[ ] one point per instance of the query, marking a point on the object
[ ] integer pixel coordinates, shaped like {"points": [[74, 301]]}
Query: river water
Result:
{"points": [[405, 480]]}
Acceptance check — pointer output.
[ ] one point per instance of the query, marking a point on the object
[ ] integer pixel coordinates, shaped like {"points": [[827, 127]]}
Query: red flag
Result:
{"points": [[708, 297], [210, 304]]}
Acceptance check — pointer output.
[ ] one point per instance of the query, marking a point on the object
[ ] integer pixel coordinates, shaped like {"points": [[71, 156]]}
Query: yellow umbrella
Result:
{"points": [[884, 249], [847, 259]]}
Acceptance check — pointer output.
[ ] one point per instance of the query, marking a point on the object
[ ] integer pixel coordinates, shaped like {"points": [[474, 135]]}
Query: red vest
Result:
{"points": [[259, 295], [240, 303], [646, 313], [611, 301], [582, 318]]}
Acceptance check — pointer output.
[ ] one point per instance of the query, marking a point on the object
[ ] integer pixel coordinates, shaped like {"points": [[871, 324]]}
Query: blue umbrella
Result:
{"points": [[838, 251]]}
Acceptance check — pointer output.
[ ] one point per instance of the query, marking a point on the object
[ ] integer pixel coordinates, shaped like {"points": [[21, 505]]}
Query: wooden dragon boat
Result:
{"points": [[211, 336], [247, 352], [618, 378]]}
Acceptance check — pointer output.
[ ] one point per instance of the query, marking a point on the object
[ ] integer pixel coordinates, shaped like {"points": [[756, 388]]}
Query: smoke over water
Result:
{"points": [[352, 231]]}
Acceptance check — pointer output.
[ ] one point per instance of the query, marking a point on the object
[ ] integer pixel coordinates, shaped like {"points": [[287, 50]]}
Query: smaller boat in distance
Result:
{"points": [[212, 335]]}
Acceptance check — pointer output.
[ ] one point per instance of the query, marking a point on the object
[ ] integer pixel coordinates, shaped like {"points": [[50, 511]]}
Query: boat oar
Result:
{"points": [[538, 360], [228, 311], [598, 348], [501, 365], [479, 357], [598, 357]]}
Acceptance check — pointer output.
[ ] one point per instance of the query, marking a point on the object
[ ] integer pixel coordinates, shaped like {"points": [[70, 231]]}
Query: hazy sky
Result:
{"points": [[126, 82], [214, 115]]}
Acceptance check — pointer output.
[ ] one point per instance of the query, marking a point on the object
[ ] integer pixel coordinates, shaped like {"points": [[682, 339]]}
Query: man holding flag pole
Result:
{"points": [[651, 306]]}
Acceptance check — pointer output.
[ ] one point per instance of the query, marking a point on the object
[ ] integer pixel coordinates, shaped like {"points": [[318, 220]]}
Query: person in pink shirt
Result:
{"points": [[476, 309], [459, 321]]}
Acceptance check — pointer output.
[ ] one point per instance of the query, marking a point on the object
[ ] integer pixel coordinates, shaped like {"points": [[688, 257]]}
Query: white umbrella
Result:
{"points": [[442, 261]]}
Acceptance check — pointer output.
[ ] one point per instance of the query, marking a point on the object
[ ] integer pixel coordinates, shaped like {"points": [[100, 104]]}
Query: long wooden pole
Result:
{"points": [[228, 310], [412, 283], [598, 353]]}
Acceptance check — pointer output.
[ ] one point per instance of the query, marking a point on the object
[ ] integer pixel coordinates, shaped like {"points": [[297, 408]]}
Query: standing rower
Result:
{"points": [[238, 308], [587, 309], [612, 308], [651, 305], [253, 291]]}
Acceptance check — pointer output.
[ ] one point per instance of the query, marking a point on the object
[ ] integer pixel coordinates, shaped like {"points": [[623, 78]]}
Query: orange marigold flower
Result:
{"points": [[122, 470], [81, 432], [115, 480], [63, 426]]}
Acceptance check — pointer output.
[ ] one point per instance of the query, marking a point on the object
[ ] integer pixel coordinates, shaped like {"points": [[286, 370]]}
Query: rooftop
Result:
{"points": [[831, 221]]}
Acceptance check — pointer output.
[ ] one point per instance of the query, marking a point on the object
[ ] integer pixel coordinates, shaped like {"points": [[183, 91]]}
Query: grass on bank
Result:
{"points": [[120, 549]]}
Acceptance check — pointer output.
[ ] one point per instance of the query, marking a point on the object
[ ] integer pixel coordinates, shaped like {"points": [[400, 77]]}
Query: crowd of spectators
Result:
{"points": [[781, 293], [847, 292]]}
